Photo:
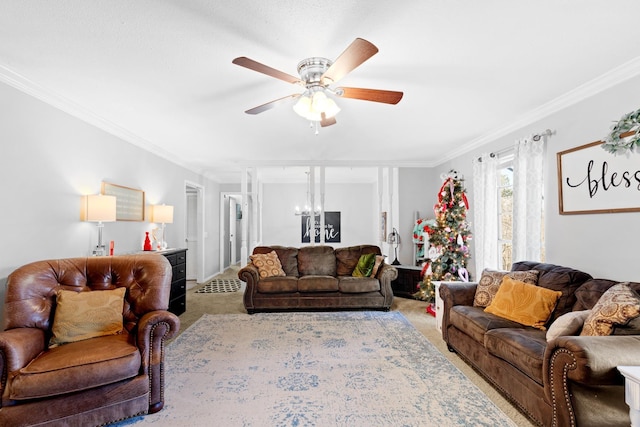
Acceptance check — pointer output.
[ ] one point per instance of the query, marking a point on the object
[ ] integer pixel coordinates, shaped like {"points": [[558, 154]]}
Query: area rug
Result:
{"points": [[314, 369], [219, 286]]}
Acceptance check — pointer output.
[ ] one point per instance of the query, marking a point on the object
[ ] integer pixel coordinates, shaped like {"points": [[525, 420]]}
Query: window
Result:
{"points": [[505, 215]]}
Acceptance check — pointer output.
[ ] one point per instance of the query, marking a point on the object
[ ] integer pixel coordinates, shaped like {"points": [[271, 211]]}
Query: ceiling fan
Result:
{"points": [[317, 75]]}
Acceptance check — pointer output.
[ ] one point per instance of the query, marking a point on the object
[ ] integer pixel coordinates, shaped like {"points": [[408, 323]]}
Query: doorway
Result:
{"points": [[194, 231], [231, 239]]}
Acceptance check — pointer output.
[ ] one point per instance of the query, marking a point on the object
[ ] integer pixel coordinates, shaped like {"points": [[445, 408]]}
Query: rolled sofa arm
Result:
{"points": [[454, 293], [586, 362], [386, 274], [154, 328], [249, 274], [18, 347]]}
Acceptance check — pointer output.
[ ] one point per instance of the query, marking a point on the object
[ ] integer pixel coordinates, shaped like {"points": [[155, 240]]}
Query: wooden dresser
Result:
{"points": [[178, 296]]}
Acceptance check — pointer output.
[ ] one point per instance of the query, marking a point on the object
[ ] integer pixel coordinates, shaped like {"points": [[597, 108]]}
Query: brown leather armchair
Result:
{"points": [[97, 380]]}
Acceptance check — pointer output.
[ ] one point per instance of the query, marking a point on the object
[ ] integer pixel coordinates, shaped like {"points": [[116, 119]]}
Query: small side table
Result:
{"points": [[632, 392], [406, 284]]}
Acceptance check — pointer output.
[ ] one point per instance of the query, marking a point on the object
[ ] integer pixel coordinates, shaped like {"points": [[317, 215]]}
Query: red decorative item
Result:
{"points": [[147, 242], [431, 309]]}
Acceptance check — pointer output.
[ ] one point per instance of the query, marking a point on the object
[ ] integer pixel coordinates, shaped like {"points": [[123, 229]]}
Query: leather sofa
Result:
{"points": [[317, 278], [93, 381], [568, 381]]}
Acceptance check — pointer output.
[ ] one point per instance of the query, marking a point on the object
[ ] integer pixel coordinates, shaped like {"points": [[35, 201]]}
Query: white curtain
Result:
{"points": [[528, 184], [485, 212]]}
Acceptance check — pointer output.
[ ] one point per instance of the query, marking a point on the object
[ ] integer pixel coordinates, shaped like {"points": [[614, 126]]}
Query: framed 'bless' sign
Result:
{"points": [[591, 180]]}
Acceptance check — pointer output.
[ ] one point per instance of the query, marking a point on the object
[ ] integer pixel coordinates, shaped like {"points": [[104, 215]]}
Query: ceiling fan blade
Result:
{"points": [[375, 95], [243, 61], [269, 105], [327, 121], [358, 51]]}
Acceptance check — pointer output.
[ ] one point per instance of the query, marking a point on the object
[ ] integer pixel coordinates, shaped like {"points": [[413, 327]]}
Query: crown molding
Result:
{"points": [[61, 103], [591, 88], [611, 78]]}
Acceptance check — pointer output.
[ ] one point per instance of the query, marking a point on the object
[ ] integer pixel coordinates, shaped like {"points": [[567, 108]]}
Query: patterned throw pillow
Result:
{"points": [[376, 266], [617, 306], [490, 283], [364, 266], [83, 315], [268, 265], [521, 302]]}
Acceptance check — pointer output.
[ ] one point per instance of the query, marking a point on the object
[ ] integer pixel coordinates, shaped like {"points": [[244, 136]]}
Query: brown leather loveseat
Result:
{"points": [[93, 381], [565, 379], [317, 278]]}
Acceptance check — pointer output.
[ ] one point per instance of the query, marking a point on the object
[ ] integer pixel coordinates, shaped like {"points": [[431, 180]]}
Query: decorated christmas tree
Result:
{"points": [[449, 252], [450, 236]]}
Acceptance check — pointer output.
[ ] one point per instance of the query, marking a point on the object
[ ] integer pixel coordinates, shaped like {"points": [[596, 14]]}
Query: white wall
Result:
{"points": [[357, 204], [417, 194], [603, 245], [48, 159]]}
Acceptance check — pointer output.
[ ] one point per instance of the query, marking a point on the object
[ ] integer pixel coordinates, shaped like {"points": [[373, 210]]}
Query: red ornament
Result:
{"points": [[431, 309]]}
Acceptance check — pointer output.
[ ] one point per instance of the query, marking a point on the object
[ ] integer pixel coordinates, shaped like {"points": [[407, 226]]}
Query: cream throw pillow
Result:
{"points": [[83, 315], [376, 266], [615, 307], [568, 324], [268, 265], [521, 302]]}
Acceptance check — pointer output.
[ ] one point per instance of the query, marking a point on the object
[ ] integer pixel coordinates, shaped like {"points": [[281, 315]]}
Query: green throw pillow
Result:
{"points": [[364, 266]]}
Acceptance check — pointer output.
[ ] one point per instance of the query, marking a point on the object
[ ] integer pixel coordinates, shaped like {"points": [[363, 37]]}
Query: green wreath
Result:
{"points": [[615, 144]]}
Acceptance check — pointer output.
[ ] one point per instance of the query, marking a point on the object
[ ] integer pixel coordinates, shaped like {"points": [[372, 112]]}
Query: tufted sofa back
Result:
{"points": [[32, 288]]}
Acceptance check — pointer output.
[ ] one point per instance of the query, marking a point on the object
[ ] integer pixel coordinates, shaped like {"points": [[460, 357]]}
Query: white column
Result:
{"points": [[244, 252], [254, 209], [380, 209], [322, 189], [312, 203]]}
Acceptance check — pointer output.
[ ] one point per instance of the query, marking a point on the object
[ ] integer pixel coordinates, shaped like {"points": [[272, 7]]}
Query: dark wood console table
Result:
{"points": [[407, 281]]}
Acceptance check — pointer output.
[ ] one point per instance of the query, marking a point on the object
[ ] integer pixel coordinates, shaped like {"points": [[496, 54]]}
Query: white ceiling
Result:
{"points": [[159, 73]]}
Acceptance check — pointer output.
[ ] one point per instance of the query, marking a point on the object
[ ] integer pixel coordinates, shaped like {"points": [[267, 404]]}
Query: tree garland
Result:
{"points": [[625, 134]]}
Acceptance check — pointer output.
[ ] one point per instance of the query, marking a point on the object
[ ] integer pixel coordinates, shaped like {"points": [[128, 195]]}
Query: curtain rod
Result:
{"points": [[535, 137]]}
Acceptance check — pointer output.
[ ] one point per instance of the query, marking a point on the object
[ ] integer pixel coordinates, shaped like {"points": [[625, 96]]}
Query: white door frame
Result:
{"points": [[224, 239], [200, 228]]}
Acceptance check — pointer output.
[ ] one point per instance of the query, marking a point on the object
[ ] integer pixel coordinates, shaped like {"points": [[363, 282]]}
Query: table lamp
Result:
{"points": [[162, 214], [99, 208]]}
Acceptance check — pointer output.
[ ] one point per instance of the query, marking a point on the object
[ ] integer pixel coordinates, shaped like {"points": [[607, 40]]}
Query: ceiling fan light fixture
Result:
{"points": [[312, 105]]}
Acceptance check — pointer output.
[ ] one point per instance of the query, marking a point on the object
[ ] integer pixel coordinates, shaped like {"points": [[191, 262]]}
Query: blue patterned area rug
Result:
{"points": [[314, 369]]}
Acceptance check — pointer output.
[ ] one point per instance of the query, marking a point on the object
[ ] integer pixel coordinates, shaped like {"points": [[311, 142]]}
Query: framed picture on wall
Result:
{"points": [[129, 201], [383, 226], [592, 180], [331, 228]]}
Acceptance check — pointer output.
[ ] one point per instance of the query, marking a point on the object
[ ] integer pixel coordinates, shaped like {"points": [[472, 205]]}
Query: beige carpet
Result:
{"points": [[414, 311]]}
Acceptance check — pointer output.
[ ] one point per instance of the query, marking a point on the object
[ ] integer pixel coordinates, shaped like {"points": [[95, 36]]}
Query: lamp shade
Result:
{"points": [[162, 214], [99, 208]]}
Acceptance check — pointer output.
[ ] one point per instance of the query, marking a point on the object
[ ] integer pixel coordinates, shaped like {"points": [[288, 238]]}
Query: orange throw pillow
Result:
{"points": [[521, 302], [268, 265]]}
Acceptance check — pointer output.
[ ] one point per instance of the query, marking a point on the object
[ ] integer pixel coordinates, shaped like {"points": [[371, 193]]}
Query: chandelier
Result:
{"points": [[306, 211]]}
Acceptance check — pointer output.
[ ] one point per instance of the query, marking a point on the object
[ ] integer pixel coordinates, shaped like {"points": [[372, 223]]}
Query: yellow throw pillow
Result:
{"points": [[521, 302], [83, 315], [616, 306], [268, 265]]}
